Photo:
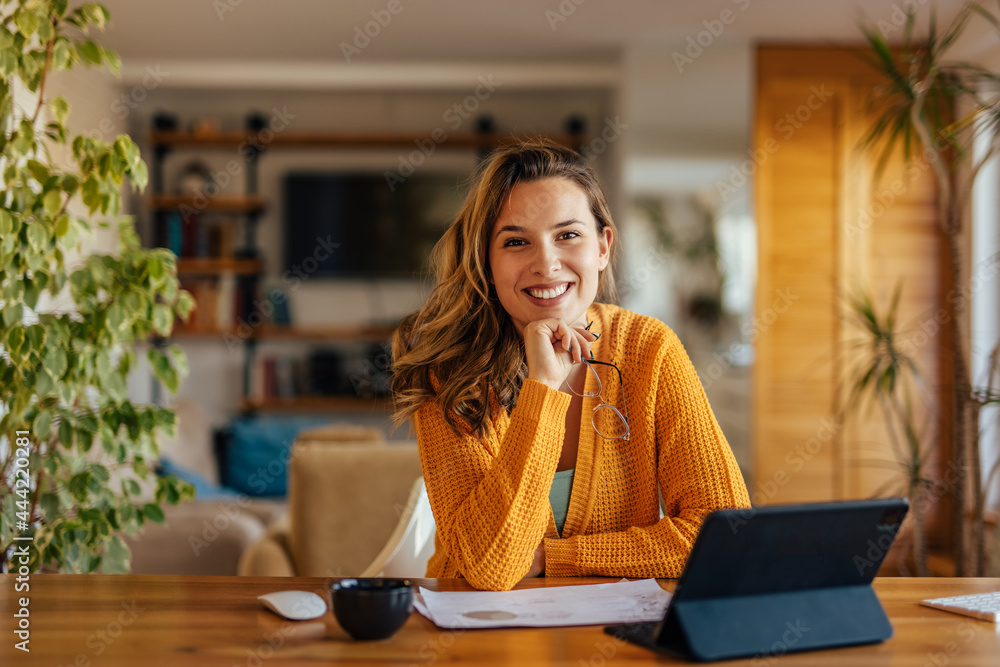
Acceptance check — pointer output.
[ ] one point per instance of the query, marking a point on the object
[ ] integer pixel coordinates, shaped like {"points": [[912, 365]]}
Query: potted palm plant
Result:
{"points": [[884, 374], [73, 447], [937, 108]]}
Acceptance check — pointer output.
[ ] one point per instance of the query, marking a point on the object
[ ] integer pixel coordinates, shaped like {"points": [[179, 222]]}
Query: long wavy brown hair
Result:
{"points": [[462, 337]]}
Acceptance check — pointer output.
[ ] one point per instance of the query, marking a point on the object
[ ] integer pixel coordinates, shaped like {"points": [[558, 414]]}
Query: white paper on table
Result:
{"points": [[596, 604]]}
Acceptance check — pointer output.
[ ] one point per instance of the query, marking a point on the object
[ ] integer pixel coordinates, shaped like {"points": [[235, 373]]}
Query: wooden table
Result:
{"points": [[135, 621]]}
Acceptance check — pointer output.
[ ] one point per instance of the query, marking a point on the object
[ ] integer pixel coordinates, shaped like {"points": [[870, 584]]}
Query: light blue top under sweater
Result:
{"points": [[562, 486]]}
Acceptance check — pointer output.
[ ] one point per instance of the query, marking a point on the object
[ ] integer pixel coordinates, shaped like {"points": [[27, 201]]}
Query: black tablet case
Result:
{"points": [[779, 579]]}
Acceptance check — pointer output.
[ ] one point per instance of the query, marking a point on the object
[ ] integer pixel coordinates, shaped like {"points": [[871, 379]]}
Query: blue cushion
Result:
{"points": [[257, 456], [204, 489]]}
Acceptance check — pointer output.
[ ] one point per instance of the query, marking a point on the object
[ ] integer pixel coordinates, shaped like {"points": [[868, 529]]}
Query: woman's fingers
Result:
{"points": [[575, 340], [553, 347]]}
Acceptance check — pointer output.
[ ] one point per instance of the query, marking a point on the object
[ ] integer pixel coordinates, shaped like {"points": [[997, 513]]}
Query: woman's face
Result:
{"points": [[546, 252]]}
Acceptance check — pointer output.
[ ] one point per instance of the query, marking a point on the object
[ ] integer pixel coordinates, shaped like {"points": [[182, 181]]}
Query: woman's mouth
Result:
{"points": [[549, 292]]}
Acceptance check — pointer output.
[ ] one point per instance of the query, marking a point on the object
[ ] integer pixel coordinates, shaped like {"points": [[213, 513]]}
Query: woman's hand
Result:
{"points": [[538, 564], [552, 348]]}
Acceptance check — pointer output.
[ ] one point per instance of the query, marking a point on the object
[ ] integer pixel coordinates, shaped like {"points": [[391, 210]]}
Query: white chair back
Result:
{"points": [[412, 542]]}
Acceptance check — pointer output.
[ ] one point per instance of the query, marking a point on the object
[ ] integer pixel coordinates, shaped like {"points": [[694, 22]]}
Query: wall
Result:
{"points": [[670, 133], [985, 315], [89, 92], [689, 132], [828, 230], [215, 382]]}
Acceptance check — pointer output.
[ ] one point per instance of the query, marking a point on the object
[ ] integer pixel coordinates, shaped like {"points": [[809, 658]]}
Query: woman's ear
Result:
{"points": [[605, 240]]}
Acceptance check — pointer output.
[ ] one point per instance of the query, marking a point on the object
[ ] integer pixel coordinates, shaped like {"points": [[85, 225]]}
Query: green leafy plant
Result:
{"points": [[916, 108], [885, 375], [73, 447]]}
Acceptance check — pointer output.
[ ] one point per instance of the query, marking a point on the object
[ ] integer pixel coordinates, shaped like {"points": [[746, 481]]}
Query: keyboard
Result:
{"points": [[985, 606]]}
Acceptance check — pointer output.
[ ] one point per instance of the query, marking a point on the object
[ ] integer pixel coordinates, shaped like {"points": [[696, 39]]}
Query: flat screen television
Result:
{"points": [[381, 232]]}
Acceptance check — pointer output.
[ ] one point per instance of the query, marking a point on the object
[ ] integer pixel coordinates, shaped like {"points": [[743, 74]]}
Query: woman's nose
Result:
{"points": [[546, 260]]}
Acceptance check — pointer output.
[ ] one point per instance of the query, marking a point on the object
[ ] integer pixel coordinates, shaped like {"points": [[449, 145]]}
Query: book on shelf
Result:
{"points": [[280, 312], [201, 247], [224, 238], [203, 235], [217, 303], [174, 240], [270, 377], [274, 376], [225, 311], [284, 377], [189, 235], [256, 392], [219, 237]]}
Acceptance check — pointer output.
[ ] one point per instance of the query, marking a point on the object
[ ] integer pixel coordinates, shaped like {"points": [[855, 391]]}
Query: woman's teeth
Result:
{"points": [[548, 293]]}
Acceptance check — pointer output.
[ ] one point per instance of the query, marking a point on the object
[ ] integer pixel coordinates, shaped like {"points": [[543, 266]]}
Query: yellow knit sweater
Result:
{"points": [[490, 495]]}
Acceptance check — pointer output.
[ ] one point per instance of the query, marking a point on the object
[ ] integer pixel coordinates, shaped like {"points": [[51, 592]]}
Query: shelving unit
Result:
{"points": [[250, 141], [195, 266], [373, 334], [232, 204], [317, 404], [246, 267]]}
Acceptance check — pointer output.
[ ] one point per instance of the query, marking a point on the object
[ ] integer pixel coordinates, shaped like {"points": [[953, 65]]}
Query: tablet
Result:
{"points": [[773, 580]]}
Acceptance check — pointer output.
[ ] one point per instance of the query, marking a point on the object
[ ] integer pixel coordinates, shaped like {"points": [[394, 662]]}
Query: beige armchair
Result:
{"points": [[344, 503], [208, 537]]}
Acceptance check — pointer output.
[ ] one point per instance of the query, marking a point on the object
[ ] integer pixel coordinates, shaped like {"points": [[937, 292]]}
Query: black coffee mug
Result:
{"points": [[371, 608]]}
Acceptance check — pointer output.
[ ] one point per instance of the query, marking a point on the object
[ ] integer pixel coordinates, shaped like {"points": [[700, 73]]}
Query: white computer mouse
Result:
{"points": [[294, 605]]}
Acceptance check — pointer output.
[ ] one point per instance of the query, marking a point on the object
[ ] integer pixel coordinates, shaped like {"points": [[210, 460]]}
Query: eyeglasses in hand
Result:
{"points": [[608, 421]]}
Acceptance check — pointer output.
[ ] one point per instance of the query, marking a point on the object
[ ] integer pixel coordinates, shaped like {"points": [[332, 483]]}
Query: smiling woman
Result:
{"points": [[532, 400], [544, 252]]}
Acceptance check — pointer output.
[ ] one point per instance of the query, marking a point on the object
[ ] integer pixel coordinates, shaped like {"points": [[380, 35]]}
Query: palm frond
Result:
{"points": [[956, 28], [985, 14]]}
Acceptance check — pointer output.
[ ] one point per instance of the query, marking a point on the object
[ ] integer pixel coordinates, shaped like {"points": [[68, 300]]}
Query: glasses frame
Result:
{"points": [[604, 404]]}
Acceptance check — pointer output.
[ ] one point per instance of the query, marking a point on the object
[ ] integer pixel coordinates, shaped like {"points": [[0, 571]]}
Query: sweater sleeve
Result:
{"points": [[489, 495], [697, 474]]}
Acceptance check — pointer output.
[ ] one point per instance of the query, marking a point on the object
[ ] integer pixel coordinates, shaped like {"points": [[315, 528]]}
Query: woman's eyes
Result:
{"points": [[513, 242]]}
